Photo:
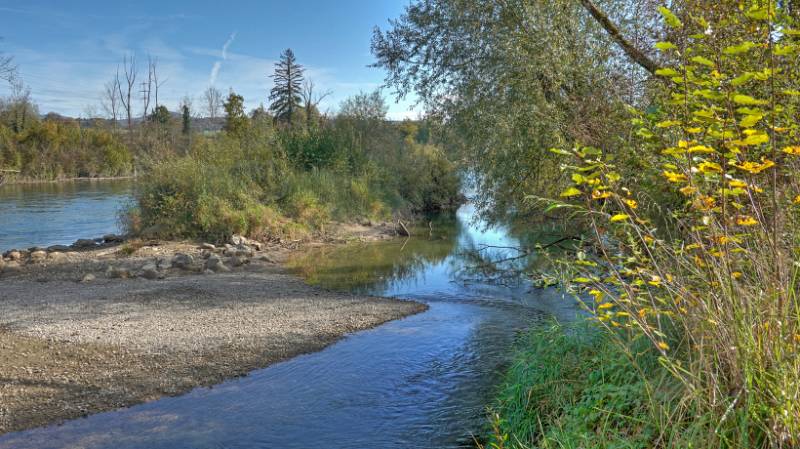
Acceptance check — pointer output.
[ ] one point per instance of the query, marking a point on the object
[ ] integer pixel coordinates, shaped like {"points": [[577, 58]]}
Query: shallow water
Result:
{"points": [[59, 213], [423, 381]]}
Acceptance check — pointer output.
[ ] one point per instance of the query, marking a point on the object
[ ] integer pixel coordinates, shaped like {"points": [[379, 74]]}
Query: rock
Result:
{"points": [[117, 273], [206, 254], [12, 266], [265, 258], [38, 256], [113, 238], [214, 263], [89, 277], [84, 244], [33, 249], [238, 261], [57, 248], [208, 247], [149, 271], [239, 241], [57, 257], [182, 261], [14, 255], [164, 263]]}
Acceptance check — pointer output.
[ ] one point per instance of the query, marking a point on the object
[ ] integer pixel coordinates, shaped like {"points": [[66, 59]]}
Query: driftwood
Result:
{"points": [[402, 229]]}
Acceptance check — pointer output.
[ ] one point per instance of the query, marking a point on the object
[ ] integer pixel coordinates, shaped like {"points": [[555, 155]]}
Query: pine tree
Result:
{"points": [[286, 94], [187, 120]]}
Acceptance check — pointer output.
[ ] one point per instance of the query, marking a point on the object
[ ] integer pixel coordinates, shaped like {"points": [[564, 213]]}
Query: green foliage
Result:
{"points": [[285, 95], [52, 149], [236, 121], [161, 115], [576, 387]]}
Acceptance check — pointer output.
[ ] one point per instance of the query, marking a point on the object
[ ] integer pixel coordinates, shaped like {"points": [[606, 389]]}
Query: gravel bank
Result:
{"points": [[70, 349]]}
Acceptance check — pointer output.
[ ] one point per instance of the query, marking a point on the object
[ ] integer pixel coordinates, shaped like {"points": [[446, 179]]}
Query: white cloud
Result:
{"points": [[212, 79]]}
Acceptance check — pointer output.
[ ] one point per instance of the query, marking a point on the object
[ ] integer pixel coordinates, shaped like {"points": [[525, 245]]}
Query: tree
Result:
{"points": [[186, 118], [510, 78], [236, 120], [311, 101], [126, 91], [8, 70], [160, 115], [110, 101], [365, 106], [212, 99], [285, 96]]}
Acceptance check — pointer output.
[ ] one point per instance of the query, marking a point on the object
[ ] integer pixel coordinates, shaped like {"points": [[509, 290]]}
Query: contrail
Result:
{"points": [[212, 79]]}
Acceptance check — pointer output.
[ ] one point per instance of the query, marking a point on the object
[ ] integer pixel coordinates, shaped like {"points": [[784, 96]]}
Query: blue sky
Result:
{"points": [[67, 50]]}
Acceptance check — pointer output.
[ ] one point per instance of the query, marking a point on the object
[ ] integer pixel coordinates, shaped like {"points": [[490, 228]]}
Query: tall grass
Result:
{"points": [[274, 184], [711, 284]]}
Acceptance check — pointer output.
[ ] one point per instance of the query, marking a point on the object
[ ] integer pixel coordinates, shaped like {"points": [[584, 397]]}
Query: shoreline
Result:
{"points": [[33, 181], [97, 330]]}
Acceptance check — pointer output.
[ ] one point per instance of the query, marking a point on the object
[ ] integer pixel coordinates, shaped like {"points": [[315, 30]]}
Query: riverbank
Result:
{"points": [[14, 180], [94, 330]]}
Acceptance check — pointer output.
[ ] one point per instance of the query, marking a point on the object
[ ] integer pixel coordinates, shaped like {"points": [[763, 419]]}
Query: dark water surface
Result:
{"points": [[59, 213], [421, 382]]}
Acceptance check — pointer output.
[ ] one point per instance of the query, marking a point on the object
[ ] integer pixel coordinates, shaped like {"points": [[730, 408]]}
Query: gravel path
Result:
{"points": [[70, 349]]}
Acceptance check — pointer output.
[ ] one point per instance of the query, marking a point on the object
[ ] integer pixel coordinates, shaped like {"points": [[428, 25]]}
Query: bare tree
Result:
{"points": [[147, 88], [110, 101], [125, 96], [311, 100], [212, 98], [154, 76], [8, 70]]}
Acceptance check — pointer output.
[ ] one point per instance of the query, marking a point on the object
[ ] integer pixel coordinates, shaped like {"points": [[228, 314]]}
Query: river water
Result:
{"points": [[59, 213], [423, 381]]}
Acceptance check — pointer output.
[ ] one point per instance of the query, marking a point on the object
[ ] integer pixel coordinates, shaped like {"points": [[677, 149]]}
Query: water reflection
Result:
{"points": [[423, 381]]}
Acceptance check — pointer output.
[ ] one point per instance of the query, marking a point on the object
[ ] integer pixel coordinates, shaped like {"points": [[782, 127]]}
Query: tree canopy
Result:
{"points": [[285, 96]]}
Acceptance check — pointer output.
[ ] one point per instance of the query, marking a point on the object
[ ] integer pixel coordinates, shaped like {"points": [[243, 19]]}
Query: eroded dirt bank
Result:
{"points": [[91, 331]]}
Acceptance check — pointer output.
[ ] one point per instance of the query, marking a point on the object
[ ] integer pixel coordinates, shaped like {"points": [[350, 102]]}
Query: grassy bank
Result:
{"points": [[288, 183], [578, 387]]}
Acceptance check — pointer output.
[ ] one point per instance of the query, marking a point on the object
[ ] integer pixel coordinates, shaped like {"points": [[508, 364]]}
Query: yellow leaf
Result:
{"points": [[631, 203], [572, 191], [619, 217], [797, 199], [701, 149], [747, 100], [746, 220], [663, 346], [793, 150]]}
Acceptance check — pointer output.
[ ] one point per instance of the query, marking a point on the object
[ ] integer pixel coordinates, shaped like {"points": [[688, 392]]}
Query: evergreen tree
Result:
{"points": [[187, 120], [235, 119], [286, 94]]}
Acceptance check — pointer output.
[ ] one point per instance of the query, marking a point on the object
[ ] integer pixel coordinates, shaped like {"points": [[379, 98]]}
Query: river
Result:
{"points": [[47, 214], [424, 381]]}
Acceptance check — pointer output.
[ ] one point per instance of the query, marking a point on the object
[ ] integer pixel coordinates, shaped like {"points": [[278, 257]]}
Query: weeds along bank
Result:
{"points": [[270, 182], [696, 334]]}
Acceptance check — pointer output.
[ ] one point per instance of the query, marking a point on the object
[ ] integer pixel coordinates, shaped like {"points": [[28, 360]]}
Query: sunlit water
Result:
{"points": [[422, 382], [59, 213]]}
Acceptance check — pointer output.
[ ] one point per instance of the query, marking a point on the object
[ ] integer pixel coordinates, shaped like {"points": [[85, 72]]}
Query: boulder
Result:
{"points": [[57, 257], [237, 261], [239, 241], [164, 263], [12, 266], [113, 238], [149, 271], [89, 277], [38, 256], [182, 261], [58, 248], [33, 249], [215, 264], [208, 247], [84, 244], [117, 273], [14, 255]]}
